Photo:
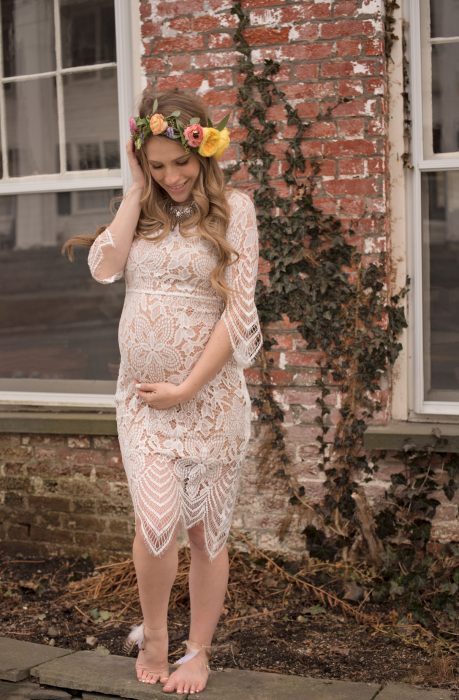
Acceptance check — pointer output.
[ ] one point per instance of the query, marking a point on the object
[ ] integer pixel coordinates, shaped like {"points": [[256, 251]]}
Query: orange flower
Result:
{"points": [[210, 142], [223, 142], [157, 124]]}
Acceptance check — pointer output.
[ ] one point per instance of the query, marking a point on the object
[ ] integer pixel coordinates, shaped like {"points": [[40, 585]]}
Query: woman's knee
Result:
{"points": [[197, 537]]}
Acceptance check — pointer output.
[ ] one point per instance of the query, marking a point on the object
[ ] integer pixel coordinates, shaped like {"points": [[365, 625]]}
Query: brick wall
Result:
{"points": [[328, 50]]}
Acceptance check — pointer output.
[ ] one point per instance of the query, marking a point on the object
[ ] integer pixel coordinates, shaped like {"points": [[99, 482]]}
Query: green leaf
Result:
{"points": [[154, 109], [105, 614], [176, 113], [221, 125], [195, 120]]}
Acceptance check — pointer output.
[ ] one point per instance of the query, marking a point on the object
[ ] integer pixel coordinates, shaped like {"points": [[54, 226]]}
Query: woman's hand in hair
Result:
{"points": [[138, 177]]}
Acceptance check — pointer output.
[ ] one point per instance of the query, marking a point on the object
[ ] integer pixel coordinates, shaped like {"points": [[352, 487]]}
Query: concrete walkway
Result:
{"points": [[31, 671]]}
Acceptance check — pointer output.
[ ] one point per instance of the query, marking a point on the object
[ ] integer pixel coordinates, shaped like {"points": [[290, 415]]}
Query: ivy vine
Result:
{"points": [[338, 298]]}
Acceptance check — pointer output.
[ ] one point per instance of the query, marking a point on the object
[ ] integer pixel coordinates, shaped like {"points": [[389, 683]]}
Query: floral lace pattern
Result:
{"points": [[183, 464]]}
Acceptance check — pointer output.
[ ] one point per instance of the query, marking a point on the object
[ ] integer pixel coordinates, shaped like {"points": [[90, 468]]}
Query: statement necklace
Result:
{"points": [[180, 212]]}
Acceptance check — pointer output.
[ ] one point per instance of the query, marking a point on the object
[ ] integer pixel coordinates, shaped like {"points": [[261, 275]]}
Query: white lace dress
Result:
{"points": [[183, 464]]}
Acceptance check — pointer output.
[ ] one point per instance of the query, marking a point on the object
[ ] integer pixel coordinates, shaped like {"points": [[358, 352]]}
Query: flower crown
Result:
{"points": [[210, 140]]}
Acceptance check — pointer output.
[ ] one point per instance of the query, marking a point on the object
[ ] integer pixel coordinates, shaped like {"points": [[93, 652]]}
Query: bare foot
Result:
{"points": [[191, 676], [151, 665]]}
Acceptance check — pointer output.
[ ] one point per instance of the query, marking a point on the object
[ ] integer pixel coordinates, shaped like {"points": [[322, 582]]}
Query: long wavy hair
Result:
{"points": [[211, 215]]}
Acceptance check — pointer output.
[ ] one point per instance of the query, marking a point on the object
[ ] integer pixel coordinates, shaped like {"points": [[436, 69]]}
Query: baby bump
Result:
{"points": [[161, 337]]}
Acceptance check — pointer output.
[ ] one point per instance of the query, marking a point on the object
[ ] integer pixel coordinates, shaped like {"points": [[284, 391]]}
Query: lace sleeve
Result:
{"points": [[96, 259], [240, 315]]}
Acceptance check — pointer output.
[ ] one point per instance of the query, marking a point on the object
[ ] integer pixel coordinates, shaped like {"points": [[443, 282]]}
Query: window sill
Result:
{"points": [[58, 422], [398, 435]]}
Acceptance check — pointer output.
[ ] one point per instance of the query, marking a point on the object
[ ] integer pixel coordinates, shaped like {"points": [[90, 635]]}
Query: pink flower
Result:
{"points": [[194, 134], [132, 126]]}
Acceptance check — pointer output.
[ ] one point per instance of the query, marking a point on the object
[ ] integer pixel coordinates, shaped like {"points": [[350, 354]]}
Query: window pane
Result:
{"points": [[31, 124], [91, 131], [56, 322], [28, 36], [441, 285], [444, 18], [445, 98], [88, 32]]}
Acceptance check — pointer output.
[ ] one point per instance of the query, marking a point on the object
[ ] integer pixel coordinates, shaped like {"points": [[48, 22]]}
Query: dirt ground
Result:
{"points": [[269, 623]]}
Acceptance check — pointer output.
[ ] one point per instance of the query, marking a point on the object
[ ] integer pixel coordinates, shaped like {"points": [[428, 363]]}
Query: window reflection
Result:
{"points": [[88, 32], [31, 124], [441, 284], [445, 97], [28, 36], [444, 18], [92, 134], [56, 322]]}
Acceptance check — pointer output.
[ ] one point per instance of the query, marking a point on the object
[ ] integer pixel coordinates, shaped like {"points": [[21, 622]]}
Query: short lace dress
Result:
{"points": [[183, 464]]}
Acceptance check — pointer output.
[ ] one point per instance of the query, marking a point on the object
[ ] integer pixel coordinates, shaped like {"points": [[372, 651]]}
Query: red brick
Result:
{"points": [[179, 63], [223, 59], [351, 166], [195, 24], [350, 88], [221, 40], [352, 27], [180, 43], [373, 47], [305, 71], [221, 97], [350, 187], [221, 78], [151, 29], [356, 108], [304, 32], [346, 8], [317, 91], [351, 127], [337, 69], [311, 52], [193, 81], [266, 35], [349, 47], [322, 129], [154, 65], [175, 9], [375, 165]]}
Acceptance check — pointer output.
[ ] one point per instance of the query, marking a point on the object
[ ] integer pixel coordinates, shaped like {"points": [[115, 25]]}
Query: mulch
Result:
{"points": [[277, 617]]}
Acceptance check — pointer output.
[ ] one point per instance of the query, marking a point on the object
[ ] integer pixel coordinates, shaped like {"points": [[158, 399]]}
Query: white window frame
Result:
{"points": [[423, 161], [130, 82]]}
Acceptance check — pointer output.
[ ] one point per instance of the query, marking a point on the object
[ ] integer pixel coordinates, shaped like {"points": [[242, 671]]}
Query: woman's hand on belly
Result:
{"points": [[160, 395]]}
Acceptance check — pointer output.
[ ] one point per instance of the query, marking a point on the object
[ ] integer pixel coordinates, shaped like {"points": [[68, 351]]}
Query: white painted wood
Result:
{"points": [[42, 398]]}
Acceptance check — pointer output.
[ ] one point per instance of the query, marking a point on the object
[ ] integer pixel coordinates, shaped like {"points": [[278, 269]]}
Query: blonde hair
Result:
{"points": [[211, 215]]}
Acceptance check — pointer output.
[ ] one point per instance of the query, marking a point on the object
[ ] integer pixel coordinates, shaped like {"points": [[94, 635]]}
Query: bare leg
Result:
{"points": [[208, 582], [155, 576]]}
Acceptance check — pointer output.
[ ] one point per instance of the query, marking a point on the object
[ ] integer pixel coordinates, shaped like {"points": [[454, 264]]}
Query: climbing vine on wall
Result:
{"points": [[339, 301]]}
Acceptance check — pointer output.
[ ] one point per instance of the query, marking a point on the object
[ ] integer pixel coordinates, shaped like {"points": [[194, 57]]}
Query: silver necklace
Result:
{"points": [[180, 212]]}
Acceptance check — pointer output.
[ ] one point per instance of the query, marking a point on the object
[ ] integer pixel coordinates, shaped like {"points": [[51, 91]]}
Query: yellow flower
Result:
{"points": [[157, 124], [223, 142], [210, 142]]}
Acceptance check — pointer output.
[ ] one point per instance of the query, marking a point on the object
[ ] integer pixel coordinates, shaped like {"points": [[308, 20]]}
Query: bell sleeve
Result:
{"points": [[104, 268], [240, 314]]}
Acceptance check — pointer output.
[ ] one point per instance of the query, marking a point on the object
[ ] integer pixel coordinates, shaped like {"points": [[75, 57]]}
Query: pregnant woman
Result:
{"points": [[187, 247]]}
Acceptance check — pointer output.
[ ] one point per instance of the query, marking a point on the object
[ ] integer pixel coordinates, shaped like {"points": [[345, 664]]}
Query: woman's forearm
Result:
{"points": [[109, 252], [216, 353]]}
